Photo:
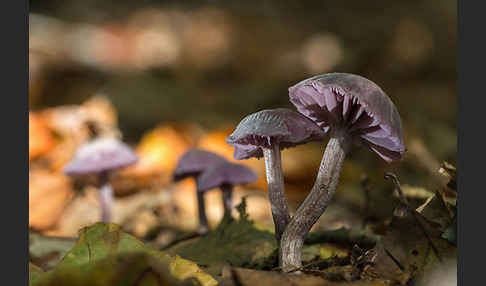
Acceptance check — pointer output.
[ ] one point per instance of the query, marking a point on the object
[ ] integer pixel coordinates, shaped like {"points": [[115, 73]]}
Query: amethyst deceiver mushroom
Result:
{"points": [[191, 164], [350, 108], [224, 176], [265, 133], [100, 157]]}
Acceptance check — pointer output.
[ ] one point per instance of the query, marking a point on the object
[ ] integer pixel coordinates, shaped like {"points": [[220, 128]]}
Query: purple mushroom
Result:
{"points": [[224, 176], [191, 164], [350, 108], [99, 157], [265, 133]]}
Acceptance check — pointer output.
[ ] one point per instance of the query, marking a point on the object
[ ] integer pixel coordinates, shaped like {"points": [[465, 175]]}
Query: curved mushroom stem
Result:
{"points": [[201, 208], [227, 200], [316, 202], [276, 189], [106, 197]]}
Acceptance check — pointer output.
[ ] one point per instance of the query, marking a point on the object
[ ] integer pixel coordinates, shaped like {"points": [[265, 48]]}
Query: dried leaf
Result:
{"points": [[408, 250], [448, 170], [49, 193], [248, 277], [104, 255], [40, 138]]}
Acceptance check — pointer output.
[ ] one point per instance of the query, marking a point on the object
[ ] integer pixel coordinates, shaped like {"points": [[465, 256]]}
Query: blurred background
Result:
{"points": [[169, 75]]}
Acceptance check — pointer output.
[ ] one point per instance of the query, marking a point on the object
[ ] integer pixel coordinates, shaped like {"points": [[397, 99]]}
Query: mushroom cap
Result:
{"points": [[336, 100], [283, 126], [103, 154], [225, 173], [194, 161], [243, 152]]}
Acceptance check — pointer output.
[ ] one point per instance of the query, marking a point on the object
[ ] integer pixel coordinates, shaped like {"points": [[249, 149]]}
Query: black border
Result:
{"points": [[14, 208], [471, 170]]}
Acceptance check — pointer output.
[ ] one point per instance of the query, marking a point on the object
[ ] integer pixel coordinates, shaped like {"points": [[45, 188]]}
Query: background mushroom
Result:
{"points": [[265, 133], [350, 108], [224, 176], [192, 164], [99, 157]]}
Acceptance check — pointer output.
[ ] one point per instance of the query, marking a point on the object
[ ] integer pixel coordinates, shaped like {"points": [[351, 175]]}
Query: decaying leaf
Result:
{"points": [[414, 192], [40, 138], [448, 170], [233, 276], [49, 193], [47, 251], [102, 115], [105, 255], [435, 212], [408, 250]]}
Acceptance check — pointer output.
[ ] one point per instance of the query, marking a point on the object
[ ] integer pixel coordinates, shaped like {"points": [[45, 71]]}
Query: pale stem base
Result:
{"points": [[106, 198], [315, 203]]}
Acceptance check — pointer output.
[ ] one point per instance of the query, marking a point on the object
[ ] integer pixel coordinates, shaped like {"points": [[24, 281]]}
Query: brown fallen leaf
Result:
{"points": [[234, 276], [40, 137], [410, 249], [435, 212], [49, 194], [134, 212], [448, 170], [100, 112]]}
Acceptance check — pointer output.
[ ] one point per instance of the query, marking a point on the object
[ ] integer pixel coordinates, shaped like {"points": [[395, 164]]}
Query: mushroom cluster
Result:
{"points": [[351, 110], [211, 171]]}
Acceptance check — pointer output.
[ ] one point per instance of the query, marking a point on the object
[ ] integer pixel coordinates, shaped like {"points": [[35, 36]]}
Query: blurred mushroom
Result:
{"points": [[192, 164], [99, 157], [224, 176], [265, 133], [351, 109]]}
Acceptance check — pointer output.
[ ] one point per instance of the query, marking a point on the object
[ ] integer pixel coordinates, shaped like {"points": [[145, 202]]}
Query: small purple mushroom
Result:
{"points": [[265, 133], [101, 156], [224, 176], [350, 108], [191, 164]]}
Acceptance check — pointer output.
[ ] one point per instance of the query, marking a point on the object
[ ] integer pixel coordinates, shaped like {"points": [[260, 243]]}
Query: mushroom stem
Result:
{"points": [[316, 202], [203, 219], [106, 197], [276, 189], [227, 199]]}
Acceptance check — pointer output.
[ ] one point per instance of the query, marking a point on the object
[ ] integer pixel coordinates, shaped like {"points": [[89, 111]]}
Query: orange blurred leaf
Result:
{"points": [[40, 138]]}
